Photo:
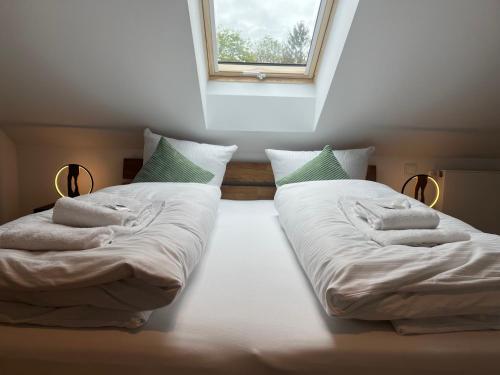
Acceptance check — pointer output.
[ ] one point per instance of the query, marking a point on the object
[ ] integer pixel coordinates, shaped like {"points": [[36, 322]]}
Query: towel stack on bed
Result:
{"points": [[103, 210], [152, 236], [394, 221], [421, 289], [79, 223]]}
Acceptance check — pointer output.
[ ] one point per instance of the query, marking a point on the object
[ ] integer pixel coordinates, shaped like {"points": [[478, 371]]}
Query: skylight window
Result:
{"points": [[265, 38]]}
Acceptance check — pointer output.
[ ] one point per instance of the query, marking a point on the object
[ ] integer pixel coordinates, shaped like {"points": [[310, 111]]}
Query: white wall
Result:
{"points": [[391, 169], [417, 79], [473, 197], [39, 166], [341, 20], [407, 67], [8, 179], [43, 150]]}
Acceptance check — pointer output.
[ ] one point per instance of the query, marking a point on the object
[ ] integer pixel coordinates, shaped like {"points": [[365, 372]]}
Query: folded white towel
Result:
{"points": [[409, 237], [48, 237], [392, 202], [416, 237], [384, 215], [100, 209]]}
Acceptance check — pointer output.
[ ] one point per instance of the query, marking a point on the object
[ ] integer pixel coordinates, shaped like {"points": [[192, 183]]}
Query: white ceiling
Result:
{"points": [[415, 77]]}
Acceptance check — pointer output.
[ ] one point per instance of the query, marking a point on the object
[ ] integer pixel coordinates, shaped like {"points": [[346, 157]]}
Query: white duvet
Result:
{"points": [[117, 284], [355, 277]]}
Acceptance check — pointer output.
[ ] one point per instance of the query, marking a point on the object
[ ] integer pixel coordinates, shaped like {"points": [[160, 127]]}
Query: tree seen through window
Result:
{"points": [[234, 48]]}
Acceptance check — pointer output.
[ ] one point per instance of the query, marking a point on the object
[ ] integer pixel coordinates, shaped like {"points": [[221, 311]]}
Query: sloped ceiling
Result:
{"points": [[415, 77]]}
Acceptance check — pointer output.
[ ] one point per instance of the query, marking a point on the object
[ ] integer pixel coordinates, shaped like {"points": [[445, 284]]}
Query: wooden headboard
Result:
{"points": [[242, 181]]}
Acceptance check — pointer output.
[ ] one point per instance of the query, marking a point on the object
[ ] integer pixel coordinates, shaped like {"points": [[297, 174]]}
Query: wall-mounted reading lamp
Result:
{"points": [[73, 171], [420, 185]]}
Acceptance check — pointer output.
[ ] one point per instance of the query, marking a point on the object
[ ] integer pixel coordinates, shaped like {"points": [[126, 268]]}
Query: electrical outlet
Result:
{"points": [[410, 169]]}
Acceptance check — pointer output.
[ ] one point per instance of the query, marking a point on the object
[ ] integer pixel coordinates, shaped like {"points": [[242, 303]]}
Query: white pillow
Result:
{"points": [[213, 158], [354, 162]]}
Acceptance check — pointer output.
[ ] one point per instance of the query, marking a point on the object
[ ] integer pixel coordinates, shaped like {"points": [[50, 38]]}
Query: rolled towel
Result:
{"points": [[380, 215], [53, 237], [100, 209]]}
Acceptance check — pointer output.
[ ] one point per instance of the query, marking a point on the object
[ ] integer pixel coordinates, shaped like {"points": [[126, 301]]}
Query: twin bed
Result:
{"points": [[247, 308]]}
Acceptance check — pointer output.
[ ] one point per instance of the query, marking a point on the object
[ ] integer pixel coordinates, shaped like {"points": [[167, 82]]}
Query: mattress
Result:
{"points": [[247, 309]]}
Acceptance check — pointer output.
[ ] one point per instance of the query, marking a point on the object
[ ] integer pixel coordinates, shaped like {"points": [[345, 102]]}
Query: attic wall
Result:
{"points": [[392, 171], [43, 150], [418, 80], [102, 151], [414, 77], [39, 166], [8, 179]]}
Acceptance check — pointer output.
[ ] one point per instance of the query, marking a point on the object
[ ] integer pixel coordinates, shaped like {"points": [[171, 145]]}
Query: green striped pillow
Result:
{"points": [[169, 165], [325, 166]]}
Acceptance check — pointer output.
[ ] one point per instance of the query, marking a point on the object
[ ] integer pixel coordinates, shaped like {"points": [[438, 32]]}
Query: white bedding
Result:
{"points": [[354, 277], [114, 285], [247, 309]]}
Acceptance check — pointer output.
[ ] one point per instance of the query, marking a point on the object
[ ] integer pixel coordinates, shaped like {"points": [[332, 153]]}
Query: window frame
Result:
{"points": [[271, 72]]}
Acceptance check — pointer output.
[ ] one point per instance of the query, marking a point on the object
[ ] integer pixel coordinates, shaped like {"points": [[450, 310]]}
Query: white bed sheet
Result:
{"points": [[248, 309]]}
